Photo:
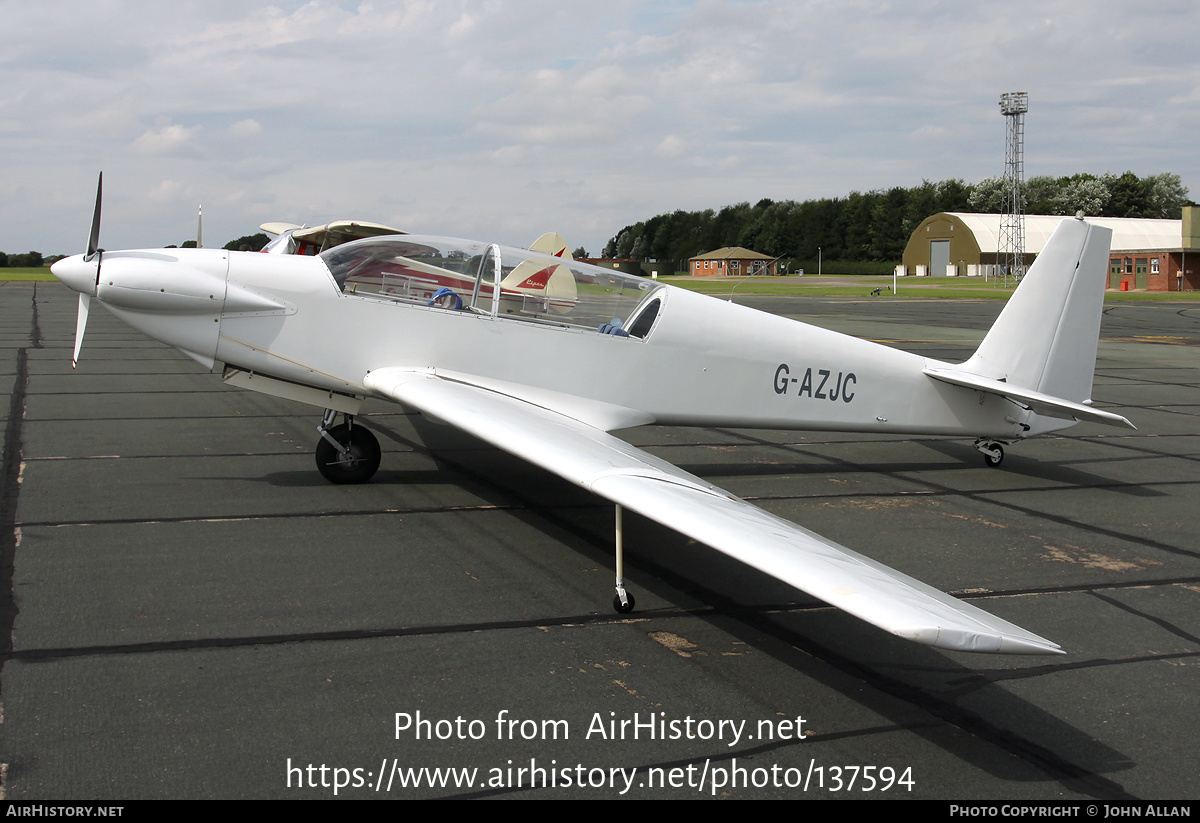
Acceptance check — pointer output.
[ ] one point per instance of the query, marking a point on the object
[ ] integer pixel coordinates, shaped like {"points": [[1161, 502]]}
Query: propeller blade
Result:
{"points": [[93, 247], [85, 302], [94, 236]]}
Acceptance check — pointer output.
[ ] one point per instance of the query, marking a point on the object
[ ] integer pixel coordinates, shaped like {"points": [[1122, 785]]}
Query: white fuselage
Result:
{"points": [[541, 356], [705, 362]]}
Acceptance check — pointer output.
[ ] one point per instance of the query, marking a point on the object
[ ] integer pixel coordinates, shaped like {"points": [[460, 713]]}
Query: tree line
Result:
{"points": [[871, 227], [876, 225], [34, 259]]}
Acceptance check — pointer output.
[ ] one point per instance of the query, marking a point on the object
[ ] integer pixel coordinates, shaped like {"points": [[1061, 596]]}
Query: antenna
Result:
{"points": [[200, 226], [1013, 106]]}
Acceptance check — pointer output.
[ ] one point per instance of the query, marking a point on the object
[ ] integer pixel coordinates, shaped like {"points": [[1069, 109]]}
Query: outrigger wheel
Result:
{"points": [[346, 453]]}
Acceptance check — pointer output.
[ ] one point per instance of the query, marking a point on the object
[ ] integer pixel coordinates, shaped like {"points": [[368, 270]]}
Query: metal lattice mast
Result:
{"points": [[1013, 106]]}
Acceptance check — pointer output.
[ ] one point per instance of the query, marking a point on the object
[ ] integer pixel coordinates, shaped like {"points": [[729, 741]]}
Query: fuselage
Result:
{"points": [[699, 361]]}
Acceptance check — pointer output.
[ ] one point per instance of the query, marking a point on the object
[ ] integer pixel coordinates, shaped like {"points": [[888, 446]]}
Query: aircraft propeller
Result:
{"points": [[93, 252]]}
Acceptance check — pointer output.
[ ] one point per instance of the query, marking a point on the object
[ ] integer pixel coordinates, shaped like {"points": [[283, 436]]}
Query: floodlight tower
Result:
{"points": [[1013, 106]]}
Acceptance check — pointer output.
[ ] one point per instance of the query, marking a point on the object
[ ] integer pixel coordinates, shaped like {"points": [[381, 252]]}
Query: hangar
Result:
{"points": [[1156, 255]]}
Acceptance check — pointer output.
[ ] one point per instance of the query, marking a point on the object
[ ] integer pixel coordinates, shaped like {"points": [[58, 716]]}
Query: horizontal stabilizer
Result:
{"points": [[278, 228], [626, 475], [1040, 403]]}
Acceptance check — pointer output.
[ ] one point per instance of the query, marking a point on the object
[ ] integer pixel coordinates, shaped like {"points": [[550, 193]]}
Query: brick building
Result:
{"points": [[731, 261]]}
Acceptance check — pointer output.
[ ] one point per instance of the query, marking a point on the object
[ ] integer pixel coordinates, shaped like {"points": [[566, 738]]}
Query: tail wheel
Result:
{"points": [[360, 461]]}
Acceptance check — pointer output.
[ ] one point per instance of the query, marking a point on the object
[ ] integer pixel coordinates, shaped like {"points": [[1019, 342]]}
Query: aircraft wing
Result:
{"points": [[630, 477]]}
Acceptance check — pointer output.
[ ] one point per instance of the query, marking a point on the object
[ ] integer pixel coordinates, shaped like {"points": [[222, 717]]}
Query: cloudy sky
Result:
{"points": [[502, 119]]}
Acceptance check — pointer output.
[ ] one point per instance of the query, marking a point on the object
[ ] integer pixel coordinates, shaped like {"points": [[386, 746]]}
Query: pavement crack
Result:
{"points": [[1163, 624], [10, 470]]}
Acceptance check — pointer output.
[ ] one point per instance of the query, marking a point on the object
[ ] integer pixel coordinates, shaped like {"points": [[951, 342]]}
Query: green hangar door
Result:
{"points": [[939, 257]]}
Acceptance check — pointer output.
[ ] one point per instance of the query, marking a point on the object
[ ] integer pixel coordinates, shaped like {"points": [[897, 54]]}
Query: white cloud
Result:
{"points": [[929, 131], [168, 191], [169, 141], [670, 146], [462, 113], [245, 129], [552, 106]]}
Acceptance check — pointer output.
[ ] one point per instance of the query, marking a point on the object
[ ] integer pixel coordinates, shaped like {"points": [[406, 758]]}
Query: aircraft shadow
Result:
{"points": [[1016, 464], [918, 689], [309, 478]]}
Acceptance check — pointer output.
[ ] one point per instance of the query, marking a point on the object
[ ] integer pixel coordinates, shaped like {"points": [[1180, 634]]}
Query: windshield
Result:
{"points": [[532, 286]]}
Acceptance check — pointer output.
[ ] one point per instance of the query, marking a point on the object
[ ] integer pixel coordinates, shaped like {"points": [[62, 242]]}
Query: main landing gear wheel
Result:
{"points": [[992, 451], [623, 608], [357, 463]]}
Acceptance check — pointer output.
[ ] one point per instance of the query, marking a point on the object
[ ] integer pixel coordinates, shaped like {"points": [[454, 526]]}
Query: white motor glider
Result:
{"points": [[543, 356]]}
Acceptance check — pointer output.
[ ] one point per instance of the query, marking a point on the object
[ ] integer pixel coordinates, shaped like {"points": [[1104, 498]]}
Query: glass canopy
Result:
{"points": [[464, 275]]}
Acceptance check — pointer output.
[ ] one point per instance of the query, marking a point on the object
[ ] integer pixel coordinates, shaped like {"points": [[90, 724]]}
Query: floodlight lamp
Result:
{"points": [[1014, 102]]}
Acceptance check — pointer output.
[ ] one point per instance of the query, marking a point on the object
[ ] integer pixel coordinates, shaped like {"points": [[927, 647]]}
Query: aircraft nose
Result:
{"points": [[76, 274]]}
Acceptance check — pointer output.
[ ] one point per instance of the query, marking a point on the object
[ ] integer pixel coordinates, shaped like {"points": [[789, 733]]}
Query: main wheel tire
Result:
{"points": [[623, 608], [998, 459], [358, 465]]}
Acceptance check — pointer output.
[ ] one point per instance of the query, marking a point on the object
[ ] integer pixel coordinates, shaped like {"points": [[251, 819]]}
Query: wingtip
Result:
{"points": [[986, 642], [1031, 645], [1015, 645]]}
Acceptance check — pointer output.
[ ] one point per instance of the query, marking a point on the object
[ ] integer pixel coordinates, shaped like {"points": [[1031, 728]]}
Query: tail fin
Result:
{"points": [[1046, 337], [553, 244]]}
